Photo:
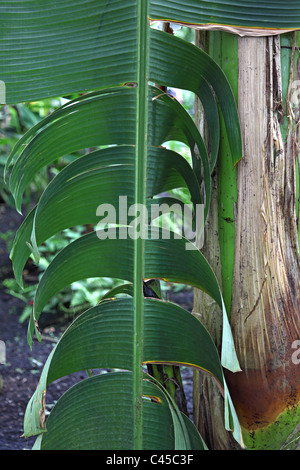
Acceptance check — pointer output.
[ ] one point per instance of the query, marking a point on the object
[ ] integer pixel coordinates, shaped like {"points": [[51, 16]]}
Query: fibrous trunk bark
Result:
{"points": [[265, 304], [265, 311]]}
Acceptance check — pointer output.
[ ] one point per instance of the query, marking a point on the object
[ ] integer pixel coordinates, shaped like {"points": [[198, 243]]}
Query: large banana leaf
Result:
{"points": [[93, 177], [52, 49], [257, 14], [49, 49], [88, 344], [98, 400]]}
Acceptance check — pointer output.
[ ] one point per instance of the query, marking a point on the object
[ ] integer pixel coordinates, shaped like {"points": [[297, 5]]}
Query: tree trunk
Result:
{"points": [[265, 303]]}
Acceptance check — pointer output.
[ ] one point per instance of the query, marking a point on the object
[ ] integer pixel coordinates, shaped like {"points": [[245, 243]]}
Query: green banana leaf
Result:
{"points": [[52, 49], [87, 344], [73, 423], [256, 14], [166, 259], [87, 36], [69, 200], [114, 110]]}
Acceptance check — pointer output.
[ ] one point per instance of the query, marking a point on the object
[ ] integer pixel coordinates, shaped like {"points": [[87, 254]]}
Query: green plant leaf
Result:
{"points": [[102, 337], [256, 14], [75, 50], [89, 45], [87, 416], [126, 289], [165, 259], [98, 178], [171, 50], [170, 121]]}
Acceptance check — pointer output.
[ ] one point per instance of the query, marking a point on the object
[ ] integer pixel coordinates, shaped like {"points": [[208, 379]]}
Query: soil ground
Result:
{"points": [[20, 373]]}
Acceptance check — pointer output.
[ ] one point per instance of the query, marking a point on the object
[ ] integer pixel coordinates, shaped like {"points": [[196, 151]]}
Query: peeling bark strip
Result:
{"points": [[240, 31], [265, 313]]}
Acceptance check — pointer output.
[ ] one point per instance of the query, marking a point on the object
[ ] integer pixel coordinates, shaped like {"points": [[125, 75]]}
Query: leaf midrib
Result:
{"points": [[140, 198]]}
